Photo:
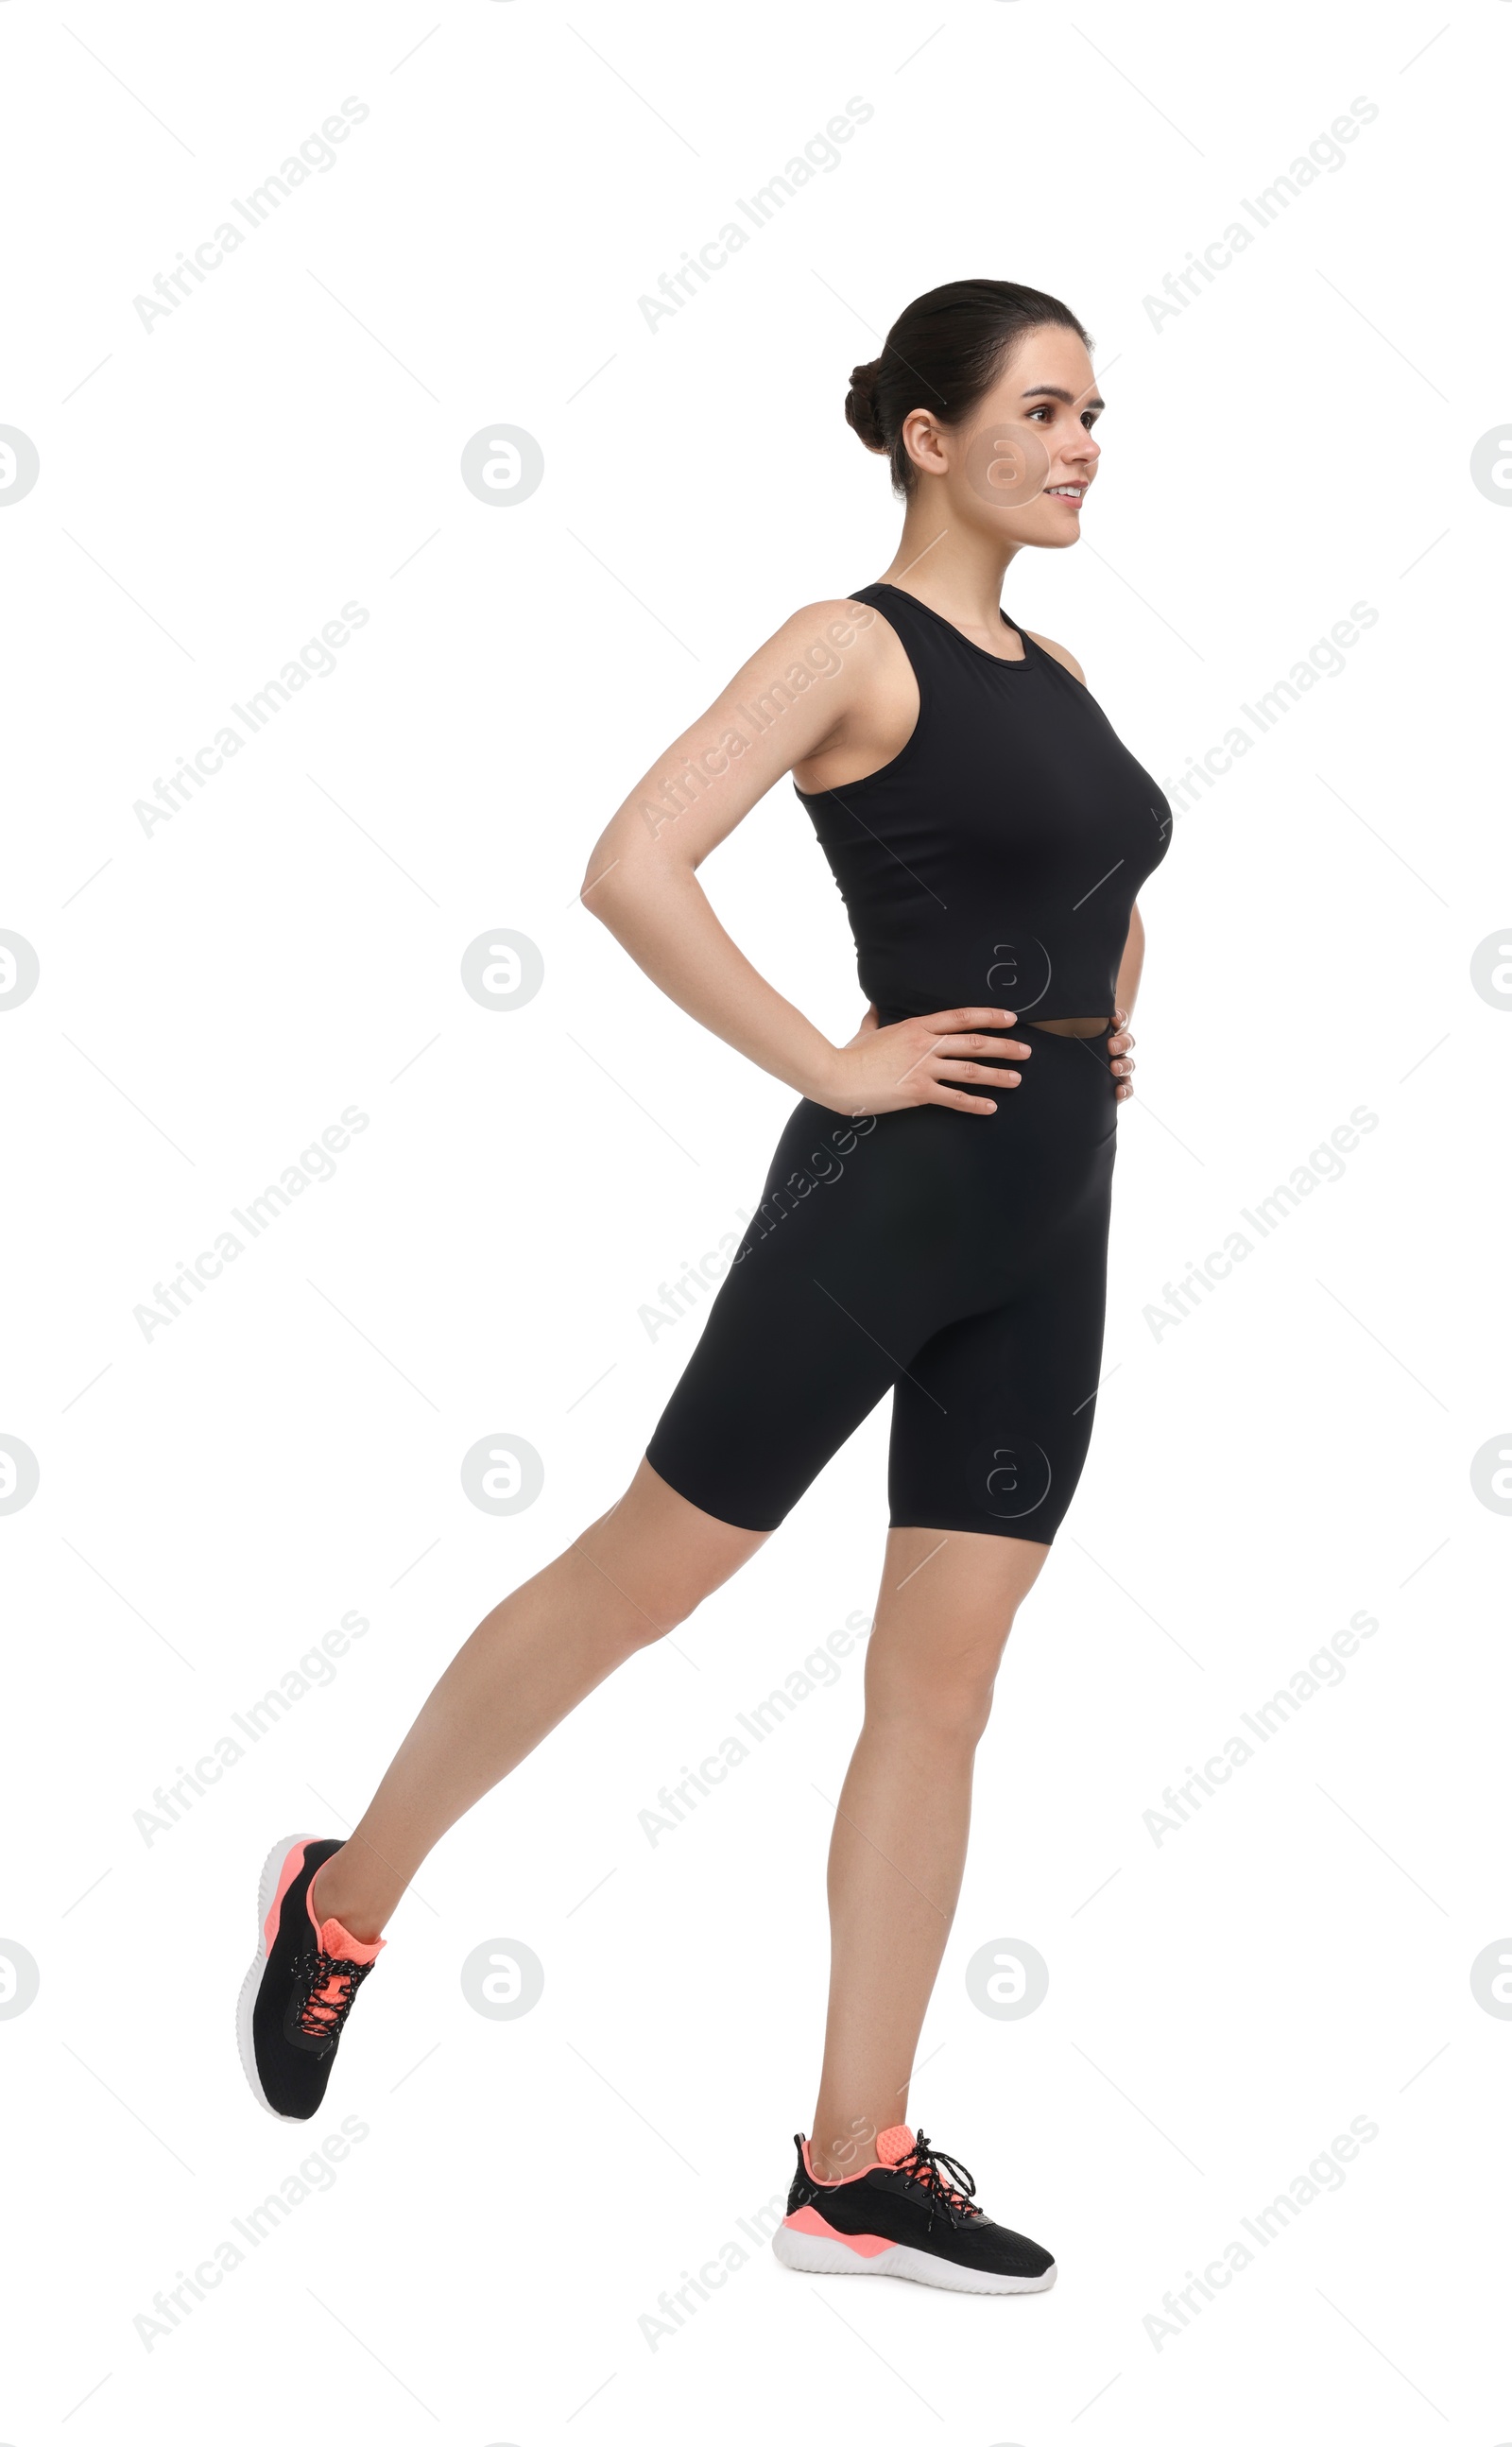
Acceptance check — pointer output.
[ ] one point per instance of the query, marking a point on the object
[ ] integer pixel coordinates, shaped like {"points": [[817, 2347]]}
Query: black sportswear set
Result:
{"points": [[957, 1260]]}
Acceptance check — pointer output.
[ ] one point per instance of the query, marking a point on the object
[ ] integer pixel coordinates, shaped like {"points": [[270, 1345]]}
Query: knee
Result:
{"points": [[953, 1708], [657, 1558], [943, 1706], [657, 1606], [633, 1595], [941, 1698]]}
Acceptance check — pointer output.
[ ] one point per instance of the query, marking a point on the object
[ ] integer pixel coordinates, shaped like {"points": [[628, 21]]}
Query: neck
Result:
{"points": [[956, 570]]}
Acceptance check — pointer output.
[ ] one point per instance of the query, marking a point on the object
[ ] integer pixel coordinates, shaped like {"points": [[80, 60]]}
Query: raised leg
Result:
{"points": [[629, 1579]]}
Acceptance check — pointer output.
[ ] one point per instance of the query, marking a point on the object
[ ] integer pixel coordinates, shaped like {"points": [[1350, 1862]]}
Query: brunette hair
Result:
{"points": [[944, 353]]}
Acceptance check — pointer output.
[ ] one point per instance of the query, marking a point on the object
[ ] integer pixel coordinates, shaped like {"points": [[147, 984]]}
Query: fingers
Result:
{"points": [[943, 1056], [940, 1094], [990, 1076], [1120, 1045], [1121, 1068], [972, 1044], [933, 1086], [950, 1023]]}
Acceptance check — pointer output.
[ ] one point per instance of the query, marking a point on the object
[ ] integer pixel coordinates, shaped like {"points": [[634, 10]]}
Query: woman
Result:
{"points": [[935, 1223]]}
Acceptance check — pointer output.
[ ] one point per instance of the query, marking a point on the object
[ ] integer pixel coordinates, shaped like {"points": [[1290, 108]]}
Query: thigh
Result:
{"points": [[992, 1425], [843, 1273]]}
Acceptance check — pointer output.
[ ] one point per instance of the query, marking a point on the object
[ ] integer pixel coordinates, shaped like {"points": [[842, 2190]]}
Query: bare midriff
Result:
{"points": [[1069, 1027]]}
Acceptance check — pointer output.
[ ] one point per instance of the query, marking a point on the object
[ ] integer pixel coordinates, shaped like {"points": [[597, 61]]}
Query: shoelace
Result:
{"points": [[333, 1984], [924, 2164]]}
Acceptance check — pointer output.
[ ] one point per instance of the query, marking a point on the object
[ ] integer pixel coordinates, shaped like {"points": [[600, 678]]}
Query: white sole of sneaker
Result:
{"points": [[819, 2255], [267, 1889]]}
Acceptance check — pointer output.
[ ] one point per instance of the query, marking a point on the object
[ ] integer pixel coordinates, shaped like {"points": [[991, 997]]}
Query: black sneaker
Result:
{"points": [[298, 1993], [909, 2213]]}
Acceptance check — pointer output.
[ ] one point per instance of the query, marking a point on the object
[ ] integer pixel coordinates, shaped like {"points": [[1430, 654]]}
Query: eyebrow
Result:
{"points": [[1053, 391]]}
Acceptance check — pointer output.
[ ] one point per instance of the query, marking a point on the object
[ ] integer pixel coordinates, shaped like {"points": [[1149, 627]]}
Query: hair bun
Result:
{"points": [[861, 404]]}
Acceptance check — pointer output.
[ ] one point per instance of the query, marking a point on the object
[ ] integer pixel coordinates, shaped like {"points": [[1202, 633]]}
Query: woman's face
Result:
{"points": [[1022, 461]]}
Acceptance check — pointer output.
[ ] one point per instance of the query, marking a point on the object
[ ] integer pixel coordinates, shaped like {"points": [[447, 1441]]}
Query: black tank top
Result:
{"points": [[997, 859]]}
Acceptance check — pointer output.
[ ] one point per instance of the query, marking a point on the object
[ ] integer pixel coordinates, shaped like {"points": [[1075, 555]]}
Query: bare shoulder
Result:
{"points": [[835, 626], [819, 642], [1062, 655]]}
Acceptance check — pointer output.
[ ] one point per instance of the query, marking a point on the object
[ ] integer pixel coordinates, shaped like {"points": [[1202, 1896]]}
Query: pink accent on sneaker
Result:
{"points": [[893, 2145], [340, 1944], [294, 1863], [810, 2222]]}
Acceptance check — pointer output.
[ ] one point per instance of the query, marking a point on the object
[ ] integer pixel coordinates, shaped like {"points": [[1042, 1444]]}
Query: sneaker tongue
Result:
{"points": [[894, 2144], [340, 1944]]}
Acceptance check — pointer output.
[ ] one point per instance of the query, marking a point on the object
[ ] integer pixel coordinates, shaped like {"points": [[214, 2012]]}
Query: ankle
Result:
{"points": [[841, 2146], [327, 1902]]}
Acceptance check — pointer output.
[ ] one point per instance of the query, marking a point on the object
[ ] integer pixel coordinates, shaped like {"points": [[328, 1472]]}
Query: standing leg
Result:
{"points": [[897, 1855]]}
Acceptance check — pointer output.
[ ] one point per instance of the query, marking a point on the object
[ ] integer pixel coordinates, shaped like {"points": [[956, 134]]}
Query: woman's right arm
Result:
{"points": [[814, 684]]}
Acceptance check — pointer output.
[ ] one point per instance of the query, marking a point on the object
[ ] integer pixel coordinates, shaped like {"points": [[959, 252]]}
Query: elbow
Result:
{"points": [[600, 889], [623, 891]]}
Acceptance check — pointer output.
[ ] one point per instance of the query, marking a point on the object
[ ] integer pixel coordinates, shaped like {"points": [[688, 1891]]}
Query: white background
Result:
{"points": [[213, 995]]}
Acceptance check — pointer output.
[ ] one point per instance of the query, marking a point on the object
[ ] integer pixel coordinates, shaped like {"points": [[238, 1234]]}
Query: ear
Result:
{"points": [[924, 441]]}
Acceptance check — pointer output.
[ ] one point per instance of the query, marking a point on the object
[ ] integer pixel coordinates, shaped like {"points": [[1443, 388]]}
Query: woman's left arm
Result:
{"points": [[1119, 1046]]}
